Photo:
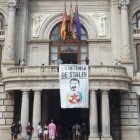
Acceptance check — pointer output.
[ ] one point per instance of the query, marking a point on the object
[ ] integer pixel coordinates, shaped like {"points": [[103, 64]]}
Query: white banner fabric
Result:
{"points": [[74, 85]]}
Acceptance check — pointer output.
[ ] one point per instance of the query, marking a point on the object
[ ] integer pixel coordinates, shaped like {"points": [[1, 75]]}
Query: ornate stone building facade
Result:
{"points": [[29, 30]]}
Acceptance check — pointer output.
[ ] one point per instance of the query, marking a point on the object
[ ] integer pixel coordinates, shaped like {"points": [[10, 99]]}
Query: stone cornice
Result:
{"points": [[99, 40], [32, 41]]}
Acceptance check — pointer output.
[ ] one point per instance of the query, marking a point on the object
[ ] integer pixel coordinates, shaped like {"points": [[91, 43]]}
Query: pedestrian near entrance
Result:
{"points": [[84, 131], [12, 131], [45, 133], [52, 130], [39, 129], [29, 130]]}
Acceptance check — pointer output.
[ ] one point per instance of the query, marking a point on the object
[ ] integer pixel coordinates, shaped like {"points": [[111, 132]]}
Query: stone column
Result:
{"points": [[93, 116], [9, 53], [125, 36], [105, 116], [115, 29], [24, 28], [36, 110], [24, 111]]}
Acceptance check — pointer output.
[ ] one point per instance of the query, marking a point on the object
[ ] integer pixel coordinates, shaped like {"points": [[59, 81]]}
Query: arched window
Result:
{"points": [[70, 50], [136, 20], [2, 22]]}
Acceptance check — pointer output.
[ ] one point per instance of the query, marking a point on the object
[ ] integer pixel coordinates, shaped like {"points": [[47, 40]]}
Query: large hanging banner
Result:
{"points": [[73, 86]]}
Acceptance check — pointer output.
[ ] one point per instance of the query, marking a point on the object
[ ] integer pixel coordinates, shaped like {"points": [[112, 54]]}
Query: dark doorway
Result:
{"points": [[64, 118], [69, 58]]}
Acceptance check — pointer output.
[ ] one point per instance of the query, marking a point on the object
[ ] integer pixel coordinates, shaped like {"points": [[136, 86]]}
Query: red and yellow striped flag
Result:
{"points": [[72, 21], [63, 26]]}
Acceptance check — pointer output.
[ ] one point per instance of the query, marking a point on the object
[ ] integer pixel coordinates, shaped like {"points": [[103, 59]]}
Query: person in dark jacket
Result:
{"points": [[29, 130], [12, 128]]}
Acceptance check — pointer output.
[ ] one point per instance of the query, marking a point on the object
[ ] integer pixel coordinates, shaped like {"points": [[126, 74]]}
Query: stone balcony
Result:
{"points": [[47, 77], [136, 33]]}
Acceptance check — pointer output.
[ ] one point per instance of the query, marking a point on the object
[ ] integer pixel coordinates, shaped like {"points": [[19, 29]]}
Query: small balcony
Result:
{"points": [[24, 77], [136, 32]]}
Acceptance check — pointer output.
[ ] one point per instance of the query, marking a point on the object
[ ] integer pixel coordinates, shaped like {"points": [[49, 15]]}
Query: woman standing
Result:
{"points": [[45, 134]]}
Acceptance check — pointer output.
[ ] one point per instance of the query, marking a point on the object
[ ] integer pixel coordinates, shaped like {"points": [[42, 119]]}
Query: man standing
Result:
{"points": [[52, 130], [29, 130]]}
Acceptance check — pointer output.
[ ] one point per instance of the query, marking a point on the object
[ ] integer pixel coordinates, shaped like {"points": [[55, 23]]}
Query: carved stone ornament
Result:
{"points": [[123, 3], [100, 21], [12, 3], [37, 21]]}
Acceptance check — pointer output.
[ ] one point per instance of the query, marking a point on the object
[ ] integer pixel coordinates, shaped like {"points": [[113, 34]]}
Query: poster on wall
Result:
{"points": [[74, 86]]}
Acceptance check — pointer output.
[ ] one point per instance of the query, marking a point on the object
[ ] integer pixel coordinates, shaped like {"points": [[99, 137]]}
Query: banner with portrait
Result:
{"points": [[74, 85]]}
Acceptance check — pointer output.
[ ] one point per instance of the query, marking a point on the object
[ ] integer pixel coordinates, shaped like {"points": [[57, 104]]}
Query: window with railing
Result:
{"points": [[136, 23]]}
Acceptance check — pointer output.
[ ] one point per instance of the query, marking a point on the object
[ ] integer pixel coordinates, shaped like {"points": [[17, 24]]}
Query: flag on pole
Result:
{"points": [[72, 21], [63, 25], [77, 23]]}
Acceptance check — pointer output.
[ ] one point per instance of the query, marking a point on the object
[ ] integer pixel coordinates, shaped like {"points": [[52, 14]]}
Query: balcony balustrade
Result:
{"points": [[20, 72], [47, 77], [136, 32]]}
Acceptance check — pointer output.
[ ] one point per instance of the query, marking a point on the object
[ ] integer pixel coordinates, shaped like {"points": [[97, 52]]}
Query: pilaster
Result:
{"points": [[9, 52]]}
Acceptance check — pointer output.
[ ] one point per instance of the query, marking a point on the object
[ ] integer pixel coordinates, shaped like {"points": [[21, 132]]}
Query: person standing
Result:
{"points": [[52, 130], [84, 131], [39, 129], [45, 134], [12, 128], [87, 61], [59, 61], [29, 130]]}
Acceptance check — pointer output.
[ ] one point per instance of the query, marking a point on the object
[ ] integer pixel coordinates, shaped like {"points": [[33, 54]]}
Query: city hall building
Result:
{"points": [[110, 30]]}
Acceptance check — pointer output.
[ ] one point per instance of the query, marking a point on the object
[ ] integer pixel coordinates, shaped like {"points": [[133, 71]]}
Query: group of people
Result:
{"points": [[79, 132], [16, 130], [46, 132]]}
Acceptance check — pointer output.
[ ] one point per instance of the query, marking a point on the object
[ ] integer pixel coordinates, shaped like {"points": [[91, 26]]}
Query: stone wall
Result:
{"points": [[6, 108], [129, 116]]}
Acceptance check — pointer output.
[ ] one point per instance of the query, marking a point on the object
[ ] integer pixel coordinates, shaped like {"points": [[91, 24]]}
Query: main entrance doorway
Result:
{"points": [[64, 118]]}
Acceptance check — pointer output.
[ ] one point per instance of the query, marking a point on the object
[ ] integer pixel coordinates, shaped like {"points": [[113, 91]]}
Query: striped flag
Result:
{"points": [[63, 26], [72, 21], [77, 23]]}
